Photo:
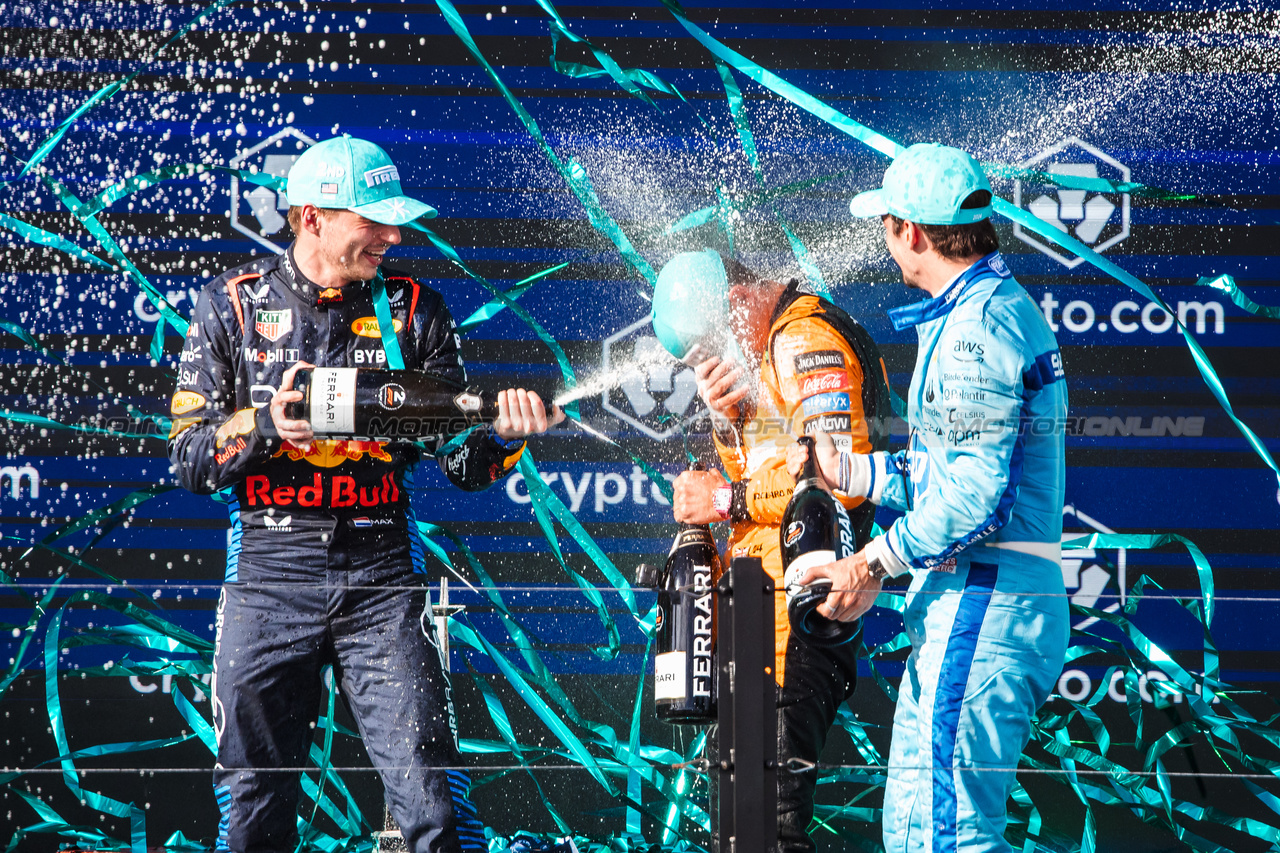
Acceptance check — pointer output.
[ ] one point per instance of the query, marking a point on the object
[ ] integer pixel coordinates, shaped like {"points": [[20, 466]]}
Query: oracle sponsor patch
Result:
{"points": [[823, 381], [823, 359]]}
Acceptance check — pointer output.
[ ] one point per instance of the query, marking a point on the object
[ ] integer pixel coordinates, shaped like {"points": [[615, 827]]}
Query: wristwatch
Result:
{"points": [[875, 568], [722, 502]]}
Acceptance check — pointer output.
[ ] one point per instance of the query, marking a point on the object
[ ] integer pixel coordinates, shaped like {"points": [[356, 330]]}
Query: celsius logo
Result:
{"points": [[655, 393], [1099, 220]]}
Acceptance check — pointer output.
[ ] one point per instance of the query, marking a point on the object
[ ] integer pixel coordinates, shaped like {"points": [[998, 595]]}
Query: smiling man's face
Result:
{"points": [[351, 247]]}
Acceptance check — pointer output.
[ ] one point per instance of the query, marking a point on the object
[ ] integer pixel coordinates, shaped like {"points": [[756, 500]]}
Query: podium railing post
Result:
{"points": [[747, 700]]}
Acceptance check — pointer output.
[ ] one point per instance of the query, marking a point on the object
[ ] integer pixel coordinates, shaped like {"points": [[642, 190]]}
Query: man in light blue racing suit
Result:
{"points": [[981, 484]]}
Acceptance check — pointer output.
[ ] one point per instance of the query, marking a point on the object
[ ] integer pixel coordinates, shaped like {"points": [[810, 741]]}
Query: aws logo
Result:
{"points": [[328, 453], [367, 327]]}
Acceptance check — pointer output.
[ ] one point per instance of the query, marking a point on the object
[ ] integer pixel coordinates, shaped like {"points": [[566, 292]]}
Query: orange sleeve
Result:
{"points": [[819, 379]]}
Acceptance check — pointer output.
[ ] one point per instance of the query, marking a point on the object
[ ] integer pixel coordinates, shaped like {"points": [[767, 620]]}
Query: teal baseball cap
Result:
{"points": [[927, 184], [345, 173], [691, 303]]}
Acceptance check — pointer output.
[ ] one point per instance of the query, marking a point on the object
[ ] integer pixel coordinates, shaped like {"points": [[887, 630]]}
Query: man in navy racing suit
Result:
{"points": [[982, 485], [324, 560]]}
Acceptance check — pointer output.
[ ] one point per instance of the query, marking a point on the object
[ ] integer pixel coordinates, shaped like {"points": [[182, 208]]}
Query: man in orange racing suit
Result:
{"points": [[818, 371]]}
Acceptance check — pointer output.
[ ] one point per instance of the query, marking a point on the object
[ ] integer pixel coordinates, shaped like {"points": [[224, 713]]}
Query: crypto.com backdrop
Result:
{"points": [[1139, 92]]}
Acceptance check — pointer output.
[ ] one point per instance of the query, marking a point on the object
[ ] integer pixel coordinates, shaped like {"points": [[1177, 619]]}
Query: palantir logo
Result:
{"points": [[267, 206], [1099, 220], [654, 393]]}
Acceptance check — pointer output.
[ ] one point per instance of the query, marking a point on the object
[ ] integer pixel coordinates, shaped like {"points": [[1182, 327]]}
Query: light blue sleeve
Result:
{"points": [[889, 480], [972, 453]]}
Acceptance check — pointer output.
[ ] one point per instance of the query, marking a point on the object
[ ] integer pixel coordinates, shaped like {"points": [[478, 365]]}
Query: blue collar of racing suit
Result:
{"points": [[907, 316]]}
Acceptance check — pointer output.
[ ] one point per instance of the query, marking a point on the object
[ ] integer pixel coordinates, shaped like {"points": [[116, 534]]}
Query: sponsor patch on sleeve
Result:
{"points": [[181, 425], [186, 401], [829, 422], [824, 381], [241, 423], [837, 401], [823, 359]]}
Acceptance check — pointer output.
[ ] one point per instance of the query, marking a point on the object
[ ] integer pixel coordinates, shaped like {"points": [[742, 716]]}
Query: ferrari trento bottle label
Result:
{"points": [[333, 400], [669, 671]]}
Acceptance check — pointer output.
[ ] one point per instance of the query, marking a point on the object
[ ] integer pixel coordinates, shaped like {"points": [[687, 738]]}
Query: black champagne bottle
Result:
{"points": [[685, 668], [815, 531], [350, 402]]}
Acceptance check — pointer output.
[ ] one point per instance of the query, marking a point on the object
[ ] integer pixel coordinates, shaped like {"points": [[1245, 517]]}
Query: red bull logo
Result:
{"points": [[330, 453]]}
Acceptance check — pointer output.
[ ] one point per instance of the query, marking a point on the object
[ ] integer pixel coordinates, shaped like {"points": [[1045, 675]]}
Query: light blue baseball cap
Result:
{"points": [[691, 302], [927, 184], [345, 173]]}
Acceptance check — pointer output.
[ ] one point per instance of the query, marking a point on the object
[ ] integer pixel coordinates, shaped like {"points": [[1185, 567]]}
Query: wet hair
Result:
{"points": [[295, 217], [957, 242], [739, 273]]}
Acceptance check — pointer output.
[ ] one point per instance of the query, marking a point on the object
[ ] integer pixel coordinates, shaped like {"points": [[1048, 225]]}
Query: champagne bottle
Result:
{"points": [[684, 668], [352, 402], [815, 531]]}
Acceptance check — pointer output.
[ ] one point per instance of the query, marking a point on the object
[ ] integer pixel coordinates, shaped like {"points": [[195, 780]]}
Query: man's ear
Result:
{"points": [[311, 219], [916, 238]]}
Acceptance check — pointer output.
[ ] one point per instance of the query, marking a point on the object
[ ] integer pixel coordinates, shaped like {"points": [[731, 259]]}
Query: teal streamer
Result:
{"points": [[892, 149], [40, 237], [1210, 376], [93, 799], [491, 309], [50, 423], [386, 326], [571, 172], [29, 339], [798, 249], [579, 534], [1147, 541], [112, 248], [566, 369], [498, 713], [540, 499], [1227, 285], [630, 80], [109, 90], [466, 634]]}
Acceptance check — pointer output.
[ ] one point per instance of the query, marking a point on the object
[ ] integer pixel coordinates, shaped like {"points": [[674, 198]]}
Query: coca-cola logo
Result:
{"points": [[827, 380], [793, 533], [391, 396]]}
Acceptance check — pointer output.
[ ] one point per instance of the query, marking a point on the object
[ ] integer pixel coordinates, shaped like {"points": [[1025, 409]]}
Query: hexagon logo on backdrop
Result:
{"points": [[654, 393], [1099, 220], [259, 212], [1085, 572]]}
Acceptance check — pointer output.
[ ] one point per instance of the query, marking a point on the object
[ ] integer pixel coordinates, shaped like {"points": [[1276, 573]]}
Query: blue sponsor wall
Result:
{"points": [[1144, 92]]}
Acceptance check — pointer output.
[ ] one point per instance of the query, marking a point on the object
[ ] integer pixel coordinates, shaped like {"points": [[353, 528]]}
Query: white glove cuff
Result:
{"points": [[879, 550]]}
